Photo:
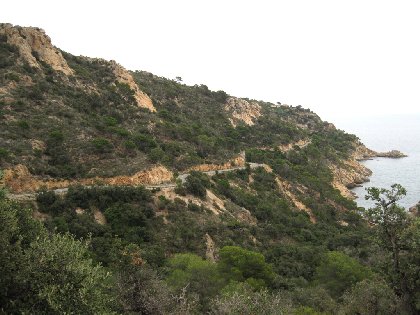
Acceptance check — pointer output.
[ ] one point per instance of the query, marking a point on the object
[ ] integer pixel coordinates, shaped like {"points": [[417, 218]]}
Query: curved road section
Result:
{"points": [[182, 177]]}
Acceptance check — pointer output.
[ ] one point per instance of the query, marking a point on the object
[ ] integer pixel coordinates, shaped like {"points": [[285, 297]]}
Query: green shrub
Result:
{"points": [[338, 272], [129, 145], [242, 265], [156, 155], [110, 121], [56, 136], [12, 76], [102, 145], [194, 207], [4, 154], [197, 183], [23, 124], [144, 142]]}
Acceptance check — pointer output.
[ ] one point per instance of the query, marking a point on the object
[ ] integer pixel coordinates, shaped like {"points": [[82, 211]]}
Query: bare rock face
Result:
{"points": [[286, 188], [348, 175], [238, 161], [242, 110], [154, 176], [300, 144], [123, 76], [34, 45], [351, 173]]}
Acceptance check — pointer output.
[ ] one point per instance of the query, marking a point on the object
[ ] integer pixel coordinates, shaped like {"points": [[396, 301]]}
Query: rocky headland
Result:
{"points": [[351, 173]]}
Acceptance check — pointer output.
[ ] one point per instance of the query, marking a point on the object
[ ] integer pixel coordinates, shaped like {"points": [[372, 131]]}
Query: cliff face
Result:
{"points": [[348, 174], [351, 173], [241, 110], [123, 76], [35, 46]]}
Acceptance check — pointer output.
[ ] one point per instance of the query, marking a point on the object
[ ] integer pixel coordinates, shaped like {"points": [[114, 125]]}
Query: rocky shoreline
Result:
{"points": [[415, 210], [351, 173]]}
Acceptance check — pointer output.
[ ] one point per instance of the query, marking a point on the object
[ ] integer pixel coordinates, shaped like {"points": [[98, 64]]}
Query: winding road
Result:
{"points": [[182, 177]]}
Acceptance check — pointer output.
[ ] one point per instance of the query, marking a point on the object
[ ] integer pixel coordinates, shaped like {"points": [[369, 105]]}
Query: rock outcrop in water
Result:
{"points": [[394, 154]]}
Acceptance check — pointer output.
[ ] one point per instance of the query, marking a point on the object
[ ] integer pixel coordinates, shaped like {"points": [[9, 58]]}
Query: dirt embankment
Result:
{"points": [[300, 144], [20, 180], [239, 161]]}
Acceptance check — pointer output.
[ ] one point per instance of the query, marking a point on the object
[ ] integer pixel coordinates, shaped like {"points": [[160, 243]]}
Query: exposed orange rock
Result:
{"points": [[241, 110], [244, 215], [211, 202], [38, 145], [79, 211], [19, 179], [99, 216], [154, 176], [350, 173], [239, 161], [286, 188], [123, 76], [300, 143], [33, 40]]}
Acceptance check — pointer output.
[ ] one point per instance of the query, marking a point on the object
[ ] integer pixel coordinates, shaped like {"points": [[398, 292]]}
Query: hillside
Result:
{"points": [[105, 149], [77, 117]]}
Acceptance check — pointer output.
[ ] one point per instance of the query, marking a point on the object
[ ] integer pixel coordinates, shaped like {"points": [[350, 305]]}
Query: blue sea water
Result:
{"points": [[385, 133]]}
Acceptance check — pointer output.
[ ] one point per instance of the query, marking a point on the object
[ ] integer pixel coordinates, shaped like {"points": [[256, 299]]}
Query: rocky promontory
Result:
{"points": [[350, 173], [394, 154], [362, 153]]}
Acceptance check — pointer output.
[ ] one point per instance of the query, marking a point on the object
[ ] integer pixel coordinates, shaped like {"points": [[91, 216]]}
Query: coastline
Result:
{"points": [[351, 173], [390, 171]]}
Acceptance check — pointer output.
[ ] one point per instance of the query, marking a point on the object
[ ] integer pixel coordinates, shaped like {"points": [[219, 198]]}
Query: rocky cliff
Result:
{"points": [[351, 173], [123, 76], [241, 110], [35, 47]]}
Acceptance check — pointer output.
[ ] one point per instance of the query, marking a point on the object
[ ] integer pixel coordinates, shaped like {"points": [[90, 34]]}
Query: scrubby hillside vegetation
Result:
{"points": [[148, 196]]}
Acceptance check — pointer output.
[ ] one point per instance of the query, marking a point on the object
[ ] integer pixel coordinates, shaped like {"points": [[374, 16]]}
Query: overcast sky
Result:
{"points": [[339, 58]]}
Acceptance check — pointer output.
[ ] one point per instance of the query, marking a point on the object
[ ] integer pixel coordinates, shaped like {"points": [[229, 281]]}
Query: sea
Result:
{"points": [[384, 133]]}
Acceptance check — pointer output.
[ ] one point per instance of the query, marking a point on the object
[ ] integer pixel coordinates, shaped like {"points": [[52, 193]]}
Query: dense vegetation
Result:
{"points": [[46, 270], [231, 243]]}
